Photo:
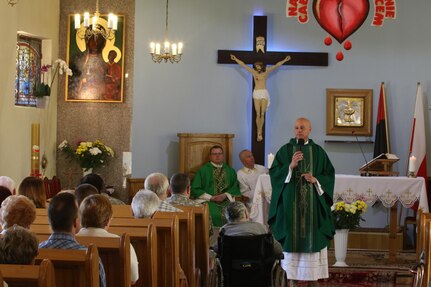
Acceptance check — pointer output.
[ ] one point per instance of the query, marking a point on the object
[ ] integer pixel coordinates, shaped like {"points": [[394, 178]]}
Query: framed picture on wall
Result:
{"points": [[97, 62], [349, 112]]}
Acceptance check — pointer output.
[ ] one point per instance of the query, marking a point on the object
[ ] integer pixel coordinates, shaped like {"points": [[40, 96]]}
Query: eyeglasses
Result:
{"points": [[217, 153]]}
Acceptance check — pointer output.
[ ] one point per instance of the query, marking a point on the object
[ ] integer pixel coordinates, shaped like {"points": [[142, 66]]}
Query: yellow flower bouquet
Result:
{"points": [[88, 154], [348, 216]]}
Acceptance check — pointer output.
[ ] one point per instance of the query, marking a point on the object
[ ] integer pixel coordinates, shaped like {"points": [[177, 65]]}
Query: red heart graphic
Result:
{"points": [[341, 18]]}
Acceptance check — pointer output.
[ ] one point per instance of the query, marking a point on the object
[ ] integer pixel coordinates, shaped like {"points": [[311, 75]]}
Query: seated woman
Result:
{"points": [[17, 210], [96, 213], [18, 246], [33, 188]]}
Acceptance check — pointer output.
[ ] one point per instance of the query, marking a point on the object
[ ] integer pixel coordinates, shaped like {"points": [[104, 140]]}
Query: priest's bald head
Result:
{"points": [[302, 128]]}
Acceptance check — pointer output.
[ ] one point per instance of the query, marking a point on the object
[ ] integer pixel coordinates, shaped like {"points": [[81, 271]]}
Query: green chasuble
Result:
{"points": [[299, 218], [214, 181]]}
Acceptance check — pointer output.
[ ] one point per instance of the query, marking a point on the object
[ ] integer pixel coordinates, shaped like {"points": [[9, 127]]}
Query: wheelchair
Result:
{"points": [[247, 261]]}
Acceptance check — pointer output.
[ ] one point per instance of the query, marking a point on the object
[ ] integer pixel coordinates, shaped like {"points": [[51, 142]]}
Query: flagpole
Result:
{"points": [[412, 131], [386, 118]]}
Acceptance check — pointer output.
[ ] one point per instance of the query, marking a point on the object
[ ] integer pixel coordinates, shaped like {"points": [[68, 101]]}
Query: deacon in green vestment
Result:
{"points": [[216, 183], [302, 179]]}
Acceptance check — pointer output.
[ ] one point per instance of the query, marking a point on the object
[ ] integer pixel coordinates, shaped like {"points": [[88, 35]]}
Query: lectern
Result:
{"points": [[382, 165]]}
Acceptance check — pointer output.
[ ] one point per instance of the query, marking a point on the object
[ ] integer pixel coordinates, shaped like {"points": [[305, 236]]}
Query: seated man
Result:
{"points": [[96, 214], [144, 204], [64, 222], [158, 183], [239, 224], [180, 191], [248, 175], [17, 210], [216, 183], [18, 246]]}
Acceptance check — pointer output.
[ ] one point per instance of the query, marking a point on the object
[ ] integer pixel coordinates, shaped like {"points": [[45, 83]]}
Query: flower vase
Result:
{"points": [[340, 244], [86, 171], [42, 102]]}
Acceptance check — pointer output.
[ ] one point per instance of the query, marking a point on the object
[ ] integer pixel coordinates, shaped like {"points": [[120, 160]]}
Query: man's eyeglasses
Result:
{"points": [[217, 153]]}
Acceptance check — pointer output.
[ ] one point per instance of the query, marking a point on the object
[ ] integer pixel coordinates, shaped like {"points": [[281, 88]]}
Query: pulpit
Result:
{"points": [[194, 150]]}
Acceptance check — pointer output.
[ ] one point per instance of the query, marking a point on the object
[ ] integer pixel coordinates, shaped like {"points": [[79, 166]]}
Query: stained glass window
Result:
{"points": [[27, 70]]}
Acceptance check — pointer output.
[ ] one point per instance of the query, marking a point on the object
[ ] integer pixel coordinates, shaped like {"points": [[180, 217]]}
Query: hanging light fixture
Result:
{"points": [[12, 2], [171, 52], [96, 27]]}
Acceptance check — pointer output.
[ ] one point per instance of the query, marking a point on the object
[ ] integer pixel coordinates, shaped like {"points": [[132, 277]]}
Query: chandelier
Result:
{"points": [[171, 52], [12, 2], [97, 27]]}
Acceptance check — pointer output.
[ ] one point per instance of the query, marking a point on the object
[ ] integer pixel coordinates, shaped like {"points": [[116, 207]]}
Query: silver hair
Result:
{"points": [[7, 182], [157, 182], [145, 203], [235, 211]]}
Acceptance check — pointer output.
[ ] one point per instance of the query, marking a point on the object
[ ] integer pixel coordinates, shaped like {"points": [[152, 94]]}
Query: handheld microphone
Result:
{"points": [[301, 143], [363, 154]]}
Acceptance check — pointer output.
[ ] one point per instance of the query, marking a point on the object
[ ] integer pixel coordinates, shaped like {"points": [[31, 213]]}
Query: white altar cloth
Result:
{"points": [[388, 190]]}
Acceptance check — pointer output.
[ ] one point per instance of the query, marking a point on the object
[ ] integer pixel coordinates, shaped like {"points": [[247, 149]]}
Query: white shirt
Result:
{"points": [[100, 232], [247, 179]]}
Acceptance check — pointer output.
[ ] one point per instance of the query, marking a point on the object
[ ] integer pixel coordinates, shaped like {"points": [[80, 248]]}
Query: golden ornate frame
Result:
{"points": [[349, 112]]}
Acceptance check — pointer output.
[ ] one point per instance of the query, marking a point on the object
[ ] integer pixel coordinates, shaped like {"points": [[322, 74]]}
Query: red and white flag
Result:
{"points": [[418, 164]]}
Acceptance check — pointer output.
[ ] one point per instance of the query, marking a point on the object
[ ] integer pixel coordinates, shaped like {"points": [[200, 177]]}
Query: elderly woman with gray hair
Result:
{"points": [[239, 224]]}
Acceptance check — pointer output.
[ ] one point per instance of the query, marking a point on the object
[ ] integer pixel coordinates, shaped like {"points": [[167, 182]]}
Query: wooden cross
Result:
{"points": [[259, 53]]}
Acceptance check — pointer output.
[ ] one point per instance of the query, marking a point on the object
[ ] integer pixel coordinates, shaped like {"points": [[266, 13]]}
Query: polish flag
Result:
{"points": [[417, 139]]}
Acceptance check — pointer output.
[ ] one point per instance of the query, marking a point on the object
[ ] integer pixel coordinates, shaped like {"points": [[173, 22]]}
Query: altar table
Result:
{"points": [[388, 190]]}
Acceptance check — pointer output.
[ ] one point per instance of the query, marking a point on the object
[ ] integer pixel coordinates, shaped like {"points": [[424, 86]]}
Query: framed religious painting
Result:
{"points": [[96, 57], [349, 112]]}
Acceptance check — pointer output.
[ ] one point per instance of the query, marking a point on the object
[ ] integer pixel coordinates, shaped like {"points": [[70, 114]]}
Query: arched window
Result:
{"points": [[27, 70]]}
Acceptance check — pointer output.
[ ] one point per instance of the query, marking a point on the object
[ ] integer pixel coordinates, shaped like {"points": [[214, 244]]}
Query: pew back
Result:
{"points": [[187, 241], [202, 243], [73, 267], [115, 255], [28, 275], [168, 265], [144, 241]]}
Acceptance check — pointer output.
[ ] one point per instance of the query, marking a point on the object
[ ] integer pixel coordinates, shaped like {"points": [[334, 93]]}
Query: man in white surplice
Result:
{"points": [[248, 175]]}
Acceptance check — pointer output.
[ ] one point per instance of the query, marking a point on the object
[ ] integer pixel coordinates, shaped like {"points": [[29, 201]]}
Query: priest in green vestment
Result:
{"points": [[215, 183], [300, 217]]}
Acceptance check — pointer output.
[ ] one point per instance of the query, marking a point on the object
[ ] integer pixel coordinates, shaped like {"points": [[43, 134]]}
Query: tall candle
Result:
{"points": [[35, 149], [412, 164], [270, 160]]}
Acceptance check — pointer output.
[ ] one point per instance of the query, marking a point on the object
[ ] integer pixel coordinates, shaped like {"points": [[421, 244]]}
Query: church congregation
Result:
{"points": [[217, 157]]}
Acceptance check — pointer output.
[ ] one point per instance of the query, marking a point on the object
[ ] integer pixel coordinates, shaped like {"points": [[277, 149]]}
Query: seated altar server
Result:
{"points": [[248, 175]]}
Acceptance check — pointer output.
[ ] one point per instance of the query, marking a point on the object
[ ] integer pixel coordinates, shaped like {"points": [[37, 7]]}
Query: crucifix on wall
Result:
{"points": [[259, 57]]}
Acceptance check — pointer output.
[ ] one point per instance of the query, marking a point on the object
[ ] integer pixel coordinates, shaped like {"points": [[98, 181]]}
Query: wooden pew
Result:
{"points": [[28, 275], [122, 211], [427, 253], [202, 242], [168, 265], [144, 240], [133, 186], [187, 242], [42, 211], [421, 235], [115, 255], [73, 267]]}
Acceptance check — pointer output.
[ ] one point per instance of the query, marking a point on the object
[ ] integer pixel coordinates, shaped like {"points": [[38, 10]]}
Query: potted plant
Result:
{"points": [[43, 90], [89, 155]]}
